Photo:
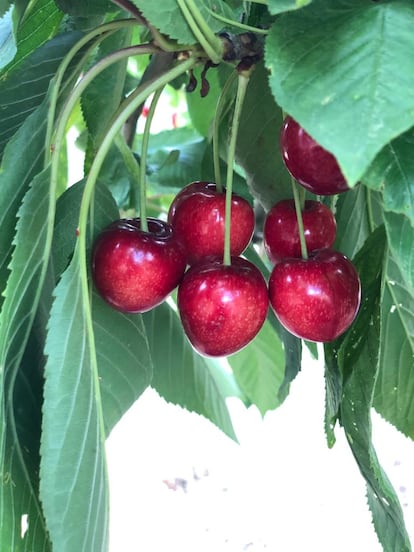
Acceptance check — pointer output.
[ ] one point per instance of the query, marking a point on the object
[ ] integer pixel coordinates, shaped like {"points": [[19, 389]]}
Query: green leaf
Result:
{"points": [[168, 17], [22, 297], [400, 234], [340, 354], [185, 168], [337, 62], [182, 376], [23, 89], [279, 6], [259, 369], [392, 172], [73, 480], [104, 94], [67, 217], [124, 361], [8, 46], [202, 109], [395, 381], [357, 354], [352, 221], [5, 6], [86, 8], [16, 173], [356, 212], [39, 23], [257, 149]]}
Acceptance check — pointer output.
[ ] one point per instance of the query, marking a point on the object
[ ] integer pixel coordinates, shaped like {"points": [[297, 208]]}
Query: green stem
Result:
{"points": [[74, 97], [143, 163], [80, 250], [210, 43], [299, 204], [370, 212], [216, 129], [242, 83], [116, 127], [131, 164], [100, 33], [242, 26]]}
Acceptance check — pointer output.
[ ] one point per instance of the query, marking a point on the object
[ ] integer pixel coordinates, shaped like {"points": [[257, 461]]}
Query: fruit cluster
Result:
{"points": [[223, 305]]}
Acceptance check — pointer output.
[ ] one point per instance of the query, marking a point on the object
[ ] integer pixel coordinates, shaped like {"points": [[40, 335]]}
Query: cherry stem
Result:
{"points": [[143, 162], [128, 108], [299, 199], [233, 23], [210, 43], [216, 129], [99, 34], [242, 82]]}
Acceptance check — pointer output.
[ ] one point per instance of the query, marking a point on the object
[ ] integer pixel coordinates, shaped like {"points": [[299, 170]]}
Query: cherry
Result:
{"points": [[197, 215], [316, 298], [134, 270], [281, 233], [315, 168], [222, 307]]}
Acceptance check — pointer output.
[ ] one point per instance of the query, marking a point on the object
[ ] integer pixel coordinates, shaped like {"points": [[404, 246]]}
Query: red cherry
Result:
{"points": [[222, 307], [315, 168], [134, 270], [281, 233], [318, 298], [197, 215]]}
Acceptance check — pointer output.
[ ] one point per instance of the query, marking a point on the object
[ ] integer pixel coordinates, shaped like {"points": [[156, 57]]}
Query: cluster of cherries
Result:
{"points": [[223, 306]]}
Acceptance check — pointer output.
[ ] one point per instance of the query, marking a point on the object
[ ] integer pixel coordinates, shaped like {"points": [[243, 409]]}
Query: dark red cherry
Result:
{"points": [[315, 168], [134, 270]]}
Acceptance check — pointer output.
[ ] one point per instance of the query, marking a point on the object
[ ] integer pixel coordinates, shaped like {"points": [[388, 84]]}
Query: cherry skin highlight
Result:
{"points": [[197, 215], [315, 168], [134, 271], [222, 307], [316, 298], [281, 232]]}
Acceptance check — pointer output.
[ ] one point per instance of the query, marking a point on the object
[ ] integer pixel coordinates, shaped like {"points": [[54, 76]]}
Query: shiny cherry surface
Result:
{"points": [[222, 307], [281, 233], [134, 270], [315, 168], [318, 298], [197, 215]]}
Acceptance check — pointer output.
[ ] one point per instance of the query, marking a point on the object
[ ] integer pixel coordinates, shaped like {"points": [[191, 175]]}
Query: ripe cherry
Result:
{"points": [[316, 298], [222, 307], [281, 233], [197, 215], [134, 270], [315, 168]]}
